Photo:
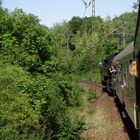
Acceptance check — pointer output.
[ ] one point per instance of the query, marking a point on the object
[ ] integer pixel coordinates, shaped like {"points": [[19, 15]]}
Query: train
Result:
{"points": [[120, 77]]}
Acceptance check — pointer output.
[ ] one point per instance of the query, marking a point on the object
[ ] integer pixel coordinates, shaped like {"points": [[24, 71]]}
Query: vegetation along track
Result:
{"points": [[96, 86], [119, 128]]}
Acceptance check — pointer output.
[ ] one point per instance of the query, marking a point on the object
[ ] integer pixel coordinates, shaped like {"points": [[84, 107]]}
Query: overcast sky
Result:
{"points": [[55, 11]]}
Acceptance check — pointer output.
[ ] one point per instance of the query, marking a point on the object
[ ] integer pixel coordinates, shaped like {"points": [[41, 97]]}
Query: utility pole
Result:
{"points": [[124, 39], [93, 29], [93, 8], [93, 13]]}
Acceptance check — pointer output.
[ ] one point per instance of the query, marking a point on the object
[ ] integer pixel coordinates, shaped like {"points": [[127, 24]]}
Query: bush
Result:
{"points": [[50, 98], [16, 114]]}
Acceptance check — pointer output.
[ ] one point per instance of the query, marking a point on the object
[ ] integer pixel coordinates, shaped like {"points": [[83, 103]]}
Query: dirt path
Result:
{"points": [[112, 127]]}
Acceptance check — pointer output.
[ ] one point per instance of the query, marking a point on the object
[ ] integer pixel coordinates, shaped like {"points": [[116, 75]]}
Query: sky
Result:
{"points": [[56, 11]]}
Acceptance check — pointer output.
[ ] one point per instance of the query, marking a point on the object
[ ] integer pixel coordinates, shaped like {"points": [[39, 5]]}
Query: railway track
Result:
{"points": [[96, 86], [91, 83], [114, 109]]}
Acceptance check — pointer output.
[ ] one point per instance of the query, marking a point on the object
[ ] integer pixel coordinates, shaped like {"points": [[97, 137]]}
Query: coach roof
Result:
{"points": [[125, 52]]}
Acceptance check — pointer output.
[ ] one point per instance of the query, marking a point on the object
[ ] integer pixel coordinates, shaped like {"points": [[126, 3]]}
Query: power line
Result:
{"points": [[86, 6]]}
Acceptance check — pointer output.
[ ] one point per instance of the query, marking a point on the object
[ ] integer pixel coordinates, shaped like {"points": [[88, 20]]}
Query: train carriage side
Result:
{"points": [[125, 82], [137, 78]]}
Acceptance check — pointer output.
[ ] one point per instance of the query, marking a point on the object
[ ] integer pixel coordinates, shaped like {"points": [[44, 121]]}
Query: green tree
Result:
{"points": [[136, 6], [75, 24]]}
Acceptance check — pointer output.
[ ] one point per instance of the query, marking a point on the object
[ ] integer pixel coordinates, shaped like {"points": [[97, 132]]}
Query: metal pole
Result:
{"points": [[93, 8], [93, 15], [124, 39]]}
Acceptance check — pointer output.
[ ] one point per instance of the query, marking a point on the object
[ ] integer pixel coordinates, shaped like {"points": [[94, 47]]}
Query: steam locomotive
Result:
{"points": [[120, 76]]}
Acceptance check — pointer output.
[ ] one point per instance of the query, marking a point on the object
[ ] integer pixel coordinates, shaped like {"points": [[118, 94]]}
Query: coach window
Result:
{"points": [[119, 72], [129, 75], [119, 69], [124, 80], [124, 74]]}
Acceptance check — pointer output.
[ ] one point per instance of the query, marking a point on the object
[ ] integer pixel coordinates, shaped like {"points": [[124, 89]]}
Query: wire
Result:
{"points": [[84, 3], [86, 6], [110, 33], [84, 12]]}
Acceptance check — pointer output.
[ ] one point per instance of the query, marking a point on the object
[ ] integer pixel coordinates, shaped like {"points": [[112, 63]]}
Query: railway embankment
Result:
{"points": [[104, 122]]}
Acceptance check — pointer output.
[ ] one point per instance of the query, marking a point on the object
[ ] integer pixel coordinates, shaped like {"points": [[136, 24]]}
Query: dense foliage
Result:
{"points": [[36, 87], [37, 68]]}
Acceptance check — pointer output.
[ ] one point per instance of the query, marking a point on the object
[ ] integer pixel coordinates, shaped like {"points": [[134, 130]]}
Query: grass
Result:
{"points": [[93, 75], [86, 110], [100, 123], [95, 120]]}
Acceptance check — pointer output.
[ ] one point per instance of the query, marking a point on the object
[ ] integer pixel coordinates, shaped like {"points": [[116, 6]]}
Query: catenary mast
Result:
{"points": [[93, 8]]}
